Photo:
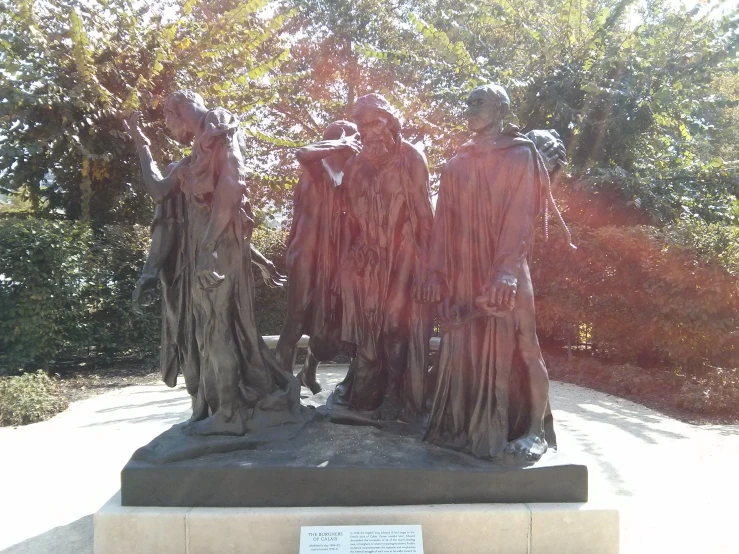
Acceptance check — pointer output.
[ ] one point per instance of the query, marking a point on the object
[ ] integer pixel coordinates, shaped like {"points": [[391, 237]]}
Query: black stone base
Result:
{"points": [[320, 463]]}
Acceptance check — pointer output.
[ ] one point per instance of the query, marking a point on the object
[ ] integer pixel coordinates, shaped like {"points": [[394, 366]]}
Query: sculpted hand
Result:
{"points": [[351, 142], [205, 271], [144, 288], [358, 257], [271, 276], [429, 292], [336, 284], [500, 295], [133, 127], [554, 154]]}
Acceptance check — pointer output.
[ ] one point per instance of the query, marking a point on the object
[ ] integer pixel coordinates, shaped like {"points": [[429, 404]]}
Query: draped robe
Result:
{"points": [[211, 336], [312, 252], [489, 197], [389, 213]]}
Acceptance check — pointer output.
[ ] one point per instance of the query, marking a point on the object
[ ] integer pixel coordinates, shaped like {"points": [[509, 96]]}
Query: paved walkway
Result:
{"points": [[676, 484]]}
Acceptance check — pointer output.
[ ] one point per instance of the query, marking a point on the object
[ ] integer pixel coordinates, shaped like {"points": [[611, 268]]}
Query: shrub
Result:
{"points": [[41, 283], [641, 296], [712, 242], [65, 290], [29, 398], [715, 393], [270, 304]]}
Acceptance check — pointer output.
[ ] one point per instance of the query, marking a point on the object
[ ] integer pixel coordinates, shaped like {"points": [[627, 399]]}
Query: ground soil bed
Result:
{"points": [[82, 382], [706, 400]]}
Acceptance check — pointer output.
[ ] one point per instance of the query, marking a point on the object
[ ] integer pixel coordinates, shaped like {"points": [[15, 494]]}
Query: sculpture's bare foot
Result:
{"points": [[388, 411], [341, 394], [199, 410], [407, 416], [217, 425], [194, 418], [309, 381], [530, 447]]}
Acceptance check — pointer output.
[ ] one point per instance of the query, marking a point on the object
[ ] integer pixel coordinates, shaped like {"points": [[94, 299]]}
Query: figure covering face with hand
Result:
{"points": [[385, 240], [492, 388], [313, 307], [209, 330]]}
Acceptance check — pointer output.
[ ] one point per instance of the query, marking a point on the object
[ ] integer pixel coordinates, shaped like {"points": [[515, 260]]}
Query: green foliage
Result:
{"points": [[40, 288], [713, 242], [642, 296], [71, 70], [642, 108], [29, 398], [644, 95], [65, 290], [270, 304]]}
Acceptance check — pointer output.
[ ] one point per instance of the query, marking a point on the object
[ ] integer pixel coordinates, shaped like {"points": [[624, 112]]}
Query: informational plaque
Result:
{"points": [[362, 539]]}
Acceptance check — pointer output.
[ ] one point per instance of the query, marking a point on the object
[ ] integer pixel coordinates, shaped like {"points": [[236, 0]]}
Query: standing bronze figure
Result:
{"points": [[492, 389], [388, 220], [209, 331], [313, 306]]}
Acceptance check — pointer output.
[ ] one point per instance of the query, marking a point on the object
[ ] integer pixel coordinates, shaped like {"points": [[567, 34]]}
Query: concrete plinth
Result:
{"points": [[571, 528]]}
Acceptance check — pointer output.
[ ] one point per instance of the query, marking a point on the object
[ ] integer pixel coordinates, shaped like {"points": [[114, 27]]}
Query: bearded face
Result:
{"points": [[378, 142]]}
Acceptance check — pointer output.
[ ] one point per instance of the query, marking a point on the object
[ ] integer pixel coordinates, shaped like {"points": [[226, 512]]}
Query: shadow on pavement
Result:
{"points": [[168, 417], [75, 538], [159, 402]]}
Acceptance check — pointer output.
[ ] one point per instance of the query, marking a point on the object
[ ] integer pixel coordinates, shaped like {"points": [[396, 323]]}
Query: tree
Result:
{"points": [[72, 70], [636, 104], [644, 103]]}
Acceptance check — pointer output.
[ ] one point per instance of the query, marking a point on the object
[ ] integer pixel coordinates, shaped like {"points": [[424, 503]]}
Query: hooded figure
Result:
{"points": [[491, 392], [388, 219]]}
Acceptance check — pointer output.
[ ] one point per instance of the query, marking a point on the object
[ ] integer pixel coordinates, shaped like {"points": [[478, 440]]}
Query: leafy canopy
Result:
{"points": [[645, 95]]}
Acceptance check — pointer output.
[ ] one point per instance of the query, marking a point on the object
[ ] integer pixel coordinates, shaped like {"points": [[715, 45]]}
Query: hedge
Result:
{"points": [[65, 292], [642, 294]]}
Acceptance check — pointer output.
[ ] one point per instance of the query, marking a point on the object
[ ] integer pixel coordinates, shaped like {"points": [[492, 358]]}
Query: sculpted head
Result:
{"points": [[179, 109], [339, 129], [487, 107], [378, 125], [549, 145]]}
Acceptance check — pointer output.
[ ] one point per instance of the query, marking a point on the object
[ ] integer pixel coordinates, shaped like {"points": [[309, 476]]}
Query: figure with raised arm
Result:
{"points": [[313, 305], [209, 330], [163, 239]]}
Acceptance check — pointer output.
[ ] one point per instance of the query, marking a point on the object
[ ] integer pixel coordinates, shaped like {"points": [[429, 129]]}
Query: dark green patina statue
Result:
{"points": [[202, 251]]}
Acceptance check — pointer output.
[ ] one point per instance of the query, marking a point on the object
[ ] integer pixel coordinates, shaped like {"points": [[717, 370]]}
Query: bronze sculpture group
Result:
{"points": [[369, 265]]}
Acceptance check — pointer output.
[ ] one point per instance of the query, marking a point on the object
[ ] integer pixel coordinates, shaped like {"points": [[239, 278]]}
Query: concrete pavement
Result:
{"points": [[675, 483]]}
